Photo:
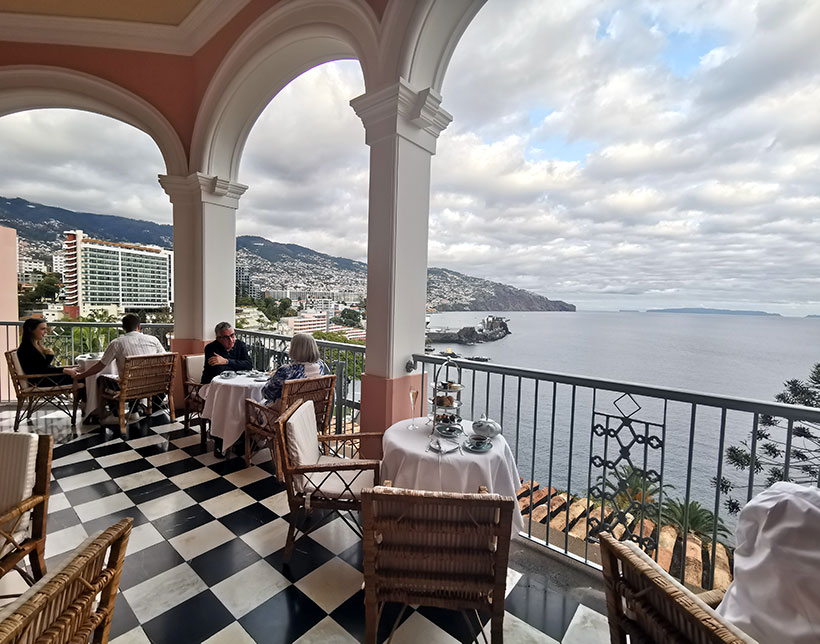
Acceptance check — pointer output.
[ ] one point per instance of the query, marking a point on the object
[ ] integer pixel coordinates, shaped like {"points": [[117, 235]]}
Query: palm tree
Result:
{"points": [[631, 484], [700, 521]]}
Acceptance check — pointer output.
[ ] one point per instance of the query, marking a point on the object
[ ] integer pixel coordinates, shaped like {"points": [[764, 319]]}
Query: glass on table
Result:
{"points": [[414, 396]]}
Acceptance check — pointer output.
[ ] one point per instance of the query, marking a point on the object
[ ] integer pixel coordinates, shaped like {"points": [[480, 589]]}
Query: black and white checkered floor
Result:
{"points": [[204, 560]]}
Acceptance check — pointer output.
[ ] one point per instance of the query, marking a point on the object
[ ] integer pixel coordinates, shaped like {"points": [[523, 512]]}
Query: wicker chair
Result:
{"points": [[331, 480], [61, 608], [192, 367], [644, 602], [25, 473], [34, 397], [143, 377], [435, 549], [319, 390]]}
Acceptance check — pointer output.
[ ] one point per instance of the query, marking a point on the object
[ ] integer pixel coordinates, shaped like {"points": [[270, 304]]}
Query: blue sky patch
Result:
{"points": [[684, 50]]}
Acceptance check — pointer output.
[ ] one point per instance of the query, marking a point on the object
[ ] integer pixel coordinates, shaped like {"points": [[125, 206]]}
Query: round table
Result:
{"points": [[408, 463], [85, 362], [225, 405]]}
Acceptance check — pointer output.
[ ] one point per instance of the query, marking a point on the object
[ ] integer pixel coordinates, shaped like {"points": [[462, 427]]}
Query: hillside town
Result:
{"points": [[87, 277]]}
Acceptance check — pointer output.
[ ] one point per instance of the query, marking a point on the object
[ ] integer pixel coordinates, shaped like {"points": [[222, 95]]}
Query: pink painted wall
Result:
{"points": [[8, 303]]}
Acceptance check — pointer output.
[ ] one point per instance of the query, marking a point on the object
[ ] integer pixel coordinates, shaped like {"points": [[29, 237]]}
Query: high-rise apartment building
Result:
{"points": [[100, 274], [244, 284], [30, 271]]}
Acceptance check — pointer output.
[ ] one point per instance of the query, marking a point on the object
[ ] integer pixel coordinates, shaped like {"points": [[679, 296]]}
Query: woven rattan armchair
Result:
{"points": [[61, 608], [258, 436], [435, 549], [36, 390], [192, 366], [25, 477], [319, 390], [143, 377], [321, 471], [646, 603]]}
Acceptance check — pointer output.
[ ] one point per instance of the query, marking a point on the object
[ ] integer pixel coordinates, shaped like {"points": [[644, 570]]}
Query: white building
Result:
{"points": [[30, 271], [310, 322], [102, 274], [58, 262]]}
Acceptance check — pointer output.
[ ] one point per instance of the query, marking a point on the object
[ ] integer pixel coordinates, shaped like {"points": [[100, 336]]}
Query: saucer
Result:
{"points": [[448, 431], [478, 447]]}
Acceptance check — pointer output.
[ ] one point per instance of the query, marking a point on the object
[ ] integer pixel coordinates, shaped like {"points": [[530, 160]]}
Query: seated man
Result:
{"points": [[226, 353], [133, 343]]}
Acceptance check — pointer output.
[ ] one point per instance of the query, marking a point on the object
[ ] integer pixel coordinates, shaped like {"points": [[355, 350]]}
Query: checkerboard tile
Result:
{"points": [[205, 557]]}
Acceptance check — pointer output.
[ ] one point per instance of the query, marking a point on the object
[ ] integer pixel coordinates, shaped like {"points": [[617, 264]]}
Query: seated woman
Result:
{"points": [[304, 363], [35, 357]]}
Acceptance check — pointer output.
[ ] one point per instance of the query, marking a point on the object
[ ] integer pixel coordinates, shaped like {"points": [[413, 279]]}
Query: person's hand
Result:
{"points": [[71, 371], [217, 360]]}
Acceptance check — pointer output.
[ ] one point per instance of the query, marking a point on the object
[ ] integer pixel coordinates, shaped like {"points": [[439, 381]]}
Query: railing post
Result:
{"points": [[340, 402]]}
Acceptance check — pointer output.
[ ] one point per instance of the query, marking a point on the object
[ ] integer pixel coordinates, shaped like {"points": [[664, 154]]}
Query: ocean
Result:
{"points": [[739, 356]]}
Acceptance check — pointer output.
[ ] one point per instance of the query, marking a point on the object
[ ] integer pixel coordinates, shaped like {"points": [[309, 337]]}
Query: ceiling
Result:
{"points": [[158, 12]]}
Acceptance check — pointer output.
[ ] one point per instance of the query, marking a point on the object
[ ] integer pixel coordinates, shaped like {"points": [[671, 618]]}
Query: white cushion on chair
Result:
{"points": [[194, 366], [301, 434], [24, 384], [347, 484], [18, 472]]}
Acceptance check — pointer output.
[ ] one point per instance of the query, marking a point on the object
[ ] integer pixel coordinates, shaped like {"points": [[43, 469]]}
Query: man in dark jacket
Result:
{"points": [[226, 353]]}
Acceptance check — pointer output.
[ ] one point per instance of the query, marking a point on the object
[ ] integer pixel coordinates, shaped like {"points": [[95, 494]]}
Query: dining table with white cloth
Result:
{"points": [[225, 404], [85, 362], [408, 463]]}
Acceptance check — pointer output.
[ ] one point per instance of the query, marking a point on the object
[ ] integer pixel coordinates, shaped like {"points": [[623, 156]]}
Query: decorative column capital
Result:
{"points": [[203, 188], [400, 110]]}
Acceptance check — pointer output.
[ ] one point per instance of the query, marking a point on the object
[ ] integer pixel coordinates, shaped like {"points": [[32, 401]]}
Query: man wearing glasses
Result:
{"points": [[226, 353]]}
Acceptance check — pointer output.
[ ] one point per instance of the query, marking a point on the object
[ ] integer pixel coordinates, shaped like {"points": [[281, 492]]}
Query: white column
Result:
{"points": [[204, 252], [402, 126]]}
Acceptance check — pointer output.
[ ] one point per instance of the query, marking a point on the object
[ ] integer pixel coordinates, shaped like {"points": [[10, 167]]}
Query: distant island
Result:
{"points": [[713, 311]]}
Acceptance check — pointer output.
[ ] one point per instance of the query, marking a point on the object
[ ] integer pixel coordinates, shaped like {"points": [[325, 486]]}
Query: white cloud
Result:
{"points": [[614, 154]]}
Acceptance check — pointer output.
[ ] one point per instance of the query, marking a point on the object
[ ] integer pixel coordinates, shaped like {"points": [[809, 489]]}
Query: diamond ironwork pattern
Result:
{"points": [[623, 448]]}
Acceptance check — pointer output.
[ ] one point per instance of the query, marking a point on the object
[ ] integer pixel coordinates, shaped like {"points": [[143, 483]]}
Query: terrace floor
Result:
{"points": [[204, 561]]}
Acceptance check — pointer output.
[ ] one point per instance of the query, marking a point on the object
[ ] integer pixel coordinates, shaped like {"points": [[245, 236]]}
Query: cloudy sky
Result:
{"points": [[615, 154]]}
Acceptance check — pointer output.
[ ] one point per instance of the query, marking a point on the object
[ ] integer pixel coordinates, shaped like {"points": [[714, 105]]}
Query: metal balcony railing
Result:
{"points": [[270, 351], [666, 468], [650, 464]]}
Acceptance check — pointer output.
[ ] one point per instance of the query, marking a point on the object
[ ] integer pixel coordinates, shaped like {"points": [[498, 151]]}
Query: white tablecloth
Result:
{"points": [[225, 405], [86, 362], [408, 464]]}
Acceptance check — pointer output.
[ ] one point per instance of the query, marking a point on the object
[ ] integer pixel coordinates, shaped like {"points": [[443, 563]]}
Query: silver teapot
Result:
{"points": [[486, 427]]}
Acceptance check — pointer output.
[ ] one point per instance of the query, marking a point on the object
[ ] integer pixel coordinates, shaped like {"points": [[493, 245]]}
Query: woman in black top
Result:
{"points": [[36, 358]]}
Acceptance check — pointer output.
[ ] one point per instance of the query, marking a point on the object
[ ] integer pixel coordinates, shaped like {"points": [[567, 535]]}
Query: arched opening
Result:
{"points": [[307, 166], [68, 170]]}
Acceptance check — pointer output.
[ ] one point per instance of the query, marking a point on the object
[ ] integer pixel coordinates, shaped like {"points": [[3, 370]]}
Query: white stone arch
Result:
{"points": [[430, 31], [283, 43], [28, 87]]}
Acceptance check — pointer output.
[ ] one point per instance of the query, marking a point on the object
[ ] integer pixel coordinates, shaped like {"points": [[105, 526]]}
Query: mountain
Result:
{"points": [[38, 223], [273, 266], [451, 291]]}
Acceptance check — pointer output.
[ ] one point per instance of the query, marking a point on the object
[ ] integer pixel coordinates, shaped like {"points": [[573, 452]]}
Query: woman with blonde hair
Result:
{"points": [[304, 363], [35, 357]]}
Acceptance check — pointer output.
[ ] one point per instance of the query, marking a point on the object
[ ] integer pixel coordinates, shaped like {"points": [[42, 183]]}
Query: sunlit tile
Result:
{"points": [[164, 591], [268, 538], [226, 503], [587, 627], [199, 540], [102, 507], [247, 589], [326, 632], [331, 584]]}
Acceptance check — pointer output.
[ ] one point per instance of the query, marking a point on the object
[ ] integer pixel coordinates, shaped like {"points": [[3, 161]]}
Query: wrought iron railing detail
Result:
{"points": [[614, 455]]}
